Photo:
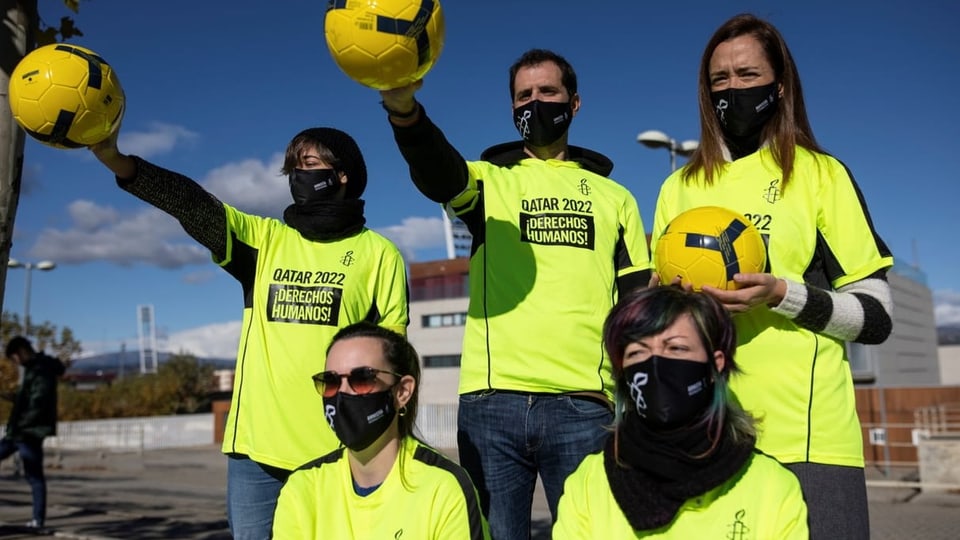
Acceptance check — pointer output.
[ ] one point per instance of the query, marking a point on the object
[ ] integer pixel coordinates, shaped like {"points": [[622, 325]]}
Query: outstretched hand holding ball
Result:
{"points": [[66, 96]]}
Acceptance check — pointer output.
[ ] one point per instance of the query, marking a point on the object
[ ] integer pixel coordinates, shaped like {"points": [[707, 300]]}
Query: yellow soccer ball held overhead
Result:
{"points": [[66, 96], [384, 44], [707, 245]]}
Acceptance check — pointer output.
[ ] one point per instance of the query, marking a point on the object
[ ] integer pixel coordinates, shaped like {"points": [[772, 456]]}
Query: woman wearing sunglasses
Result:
{"points": [[383, 482], [680, 462]]}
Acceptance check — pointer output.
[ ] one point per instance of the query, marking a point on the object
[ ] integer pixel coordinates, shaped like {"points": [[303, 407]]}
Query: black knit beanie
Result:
{"points": [[345, 149]]}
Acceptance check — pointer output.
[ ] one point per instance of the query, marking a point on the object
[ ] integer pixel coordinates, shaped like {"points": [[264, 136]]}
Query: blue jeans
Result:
{"points": [[252, 492], [31, 453], [506, 439]]}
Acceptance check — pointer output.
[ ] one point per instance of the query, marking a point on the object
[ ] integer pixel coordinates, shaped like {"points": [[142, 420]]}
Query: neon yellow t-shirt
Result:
{"points": [[761, 502], [550, 240], [797, 383], [424, 497], [297, 294]]}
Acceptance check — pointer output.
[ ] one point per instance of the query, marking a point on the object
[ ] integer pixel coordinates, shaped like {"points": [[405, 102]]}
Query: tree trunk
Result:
{"points": [[17, 37]]}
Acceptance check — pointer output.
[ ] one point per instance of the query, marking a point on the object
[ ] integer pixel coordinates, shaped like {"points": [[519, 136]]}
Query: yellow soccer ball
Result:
{"points": [[707, 246], [66, 96], [384, 44]]}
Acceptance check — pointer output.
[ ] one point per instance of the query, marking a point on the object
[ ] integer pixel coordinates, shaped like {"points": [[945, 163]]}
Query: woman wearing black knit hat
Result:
{"points": [[303, 278]]}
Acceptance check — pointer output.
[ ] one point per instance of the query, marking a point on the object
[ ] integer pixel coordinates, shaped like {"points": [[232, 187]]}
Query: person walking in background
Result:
{"points": [[384, 482], [826, 280], [33, 418], [681, 462], [302, 279], [554, 243]]}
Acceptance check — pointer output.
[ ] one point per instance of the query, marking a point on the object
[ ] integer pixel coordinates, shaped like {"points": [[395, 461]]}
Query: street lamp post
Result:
{"points": [[658, 139], [29, 267]]}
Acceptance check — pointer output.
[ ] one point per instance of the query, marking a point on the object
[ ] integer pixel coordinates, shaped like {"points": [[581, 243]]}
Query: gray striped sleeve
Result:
{"points": [[859, 312]]}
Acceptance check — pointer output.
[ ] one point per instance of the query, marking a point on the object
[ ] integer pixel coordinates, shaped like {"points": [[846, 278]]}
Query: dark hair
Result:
{"points": [[650, 311], [18, 343], [336, 148], [647, 312], [535, 57], [401, 356], [789, 126]]}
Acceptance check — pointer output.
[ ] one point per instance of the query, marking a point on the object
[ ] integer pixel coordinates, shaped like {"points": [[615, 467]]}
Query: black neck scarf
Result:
{"points": [[742, 146], [660, 470], [326, 220]]}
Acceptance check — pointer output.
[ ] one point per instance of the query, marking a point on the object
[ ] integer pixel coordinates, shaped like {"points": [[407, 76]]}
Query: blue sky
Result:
{"points": [[216, 89]]}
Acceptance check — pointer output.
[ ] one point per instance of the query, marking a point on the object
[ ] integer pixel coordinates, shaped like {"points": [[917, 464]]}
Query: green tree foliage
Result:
{"points": [[181, 385], [46, 337], [191, 380], [66, 29]]}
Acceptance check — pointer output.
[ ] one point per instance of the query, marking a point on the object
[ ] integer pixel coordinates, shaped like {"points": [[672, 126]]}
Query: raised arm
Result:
{"points": [[437, 169], [200, 213]]}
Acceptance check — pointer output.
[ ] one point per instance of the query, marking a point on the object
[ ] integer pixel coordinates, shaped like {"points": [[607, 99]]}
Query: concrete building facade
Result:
{"points": [[909, 356], [439, 295]]}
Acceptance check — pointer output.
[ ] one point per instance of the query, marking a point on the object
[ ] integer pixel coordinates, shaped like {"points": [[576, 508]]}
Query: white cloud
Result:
{"points": [[152, 237], [251, 185], [201, 276], [101, 233], [218, 340], [415, 233], [89, 216], [159, 139], [946, 307]]}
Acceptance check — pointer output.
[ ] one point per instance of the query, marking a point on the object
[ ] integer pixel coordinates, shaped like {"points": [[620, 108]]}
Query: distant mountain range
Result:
{"points": [[128, 362], [948, 335]]}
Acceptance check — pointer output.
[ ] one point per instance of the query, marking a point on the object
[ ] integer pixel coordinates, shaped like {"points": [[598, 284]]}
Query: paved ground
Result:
{"points": [[179, 494]]}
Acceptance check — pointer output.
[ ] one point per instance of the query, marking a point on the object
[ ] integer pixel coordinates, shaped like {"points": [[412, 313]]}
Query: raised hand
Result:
{"points": [[106, 152], [755, 289]]}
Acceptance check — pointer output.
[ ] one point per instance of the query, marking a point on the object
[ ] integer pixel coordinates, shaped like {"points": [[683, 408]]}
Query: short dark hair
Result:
{"points": [[17, 343], [535, 57], [336, 148]]}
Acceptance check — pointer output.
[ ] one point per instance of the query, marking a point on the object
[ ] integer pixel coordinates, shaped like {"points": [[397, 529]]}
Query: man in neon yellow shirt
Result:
{"points": [[554, 243]]}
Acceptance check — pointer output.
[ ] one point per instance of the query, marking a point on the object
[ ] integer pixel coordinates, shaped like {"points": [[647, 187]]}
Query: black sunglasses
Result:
{"points": [[362, 380]]}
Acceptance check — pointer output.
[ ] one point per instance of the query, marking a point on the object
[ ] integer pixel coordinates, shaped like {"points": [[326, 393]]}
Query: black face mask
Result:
{"points": [[359, 420], [542, 123], [744, 111], [311, 185], [668, 392]]}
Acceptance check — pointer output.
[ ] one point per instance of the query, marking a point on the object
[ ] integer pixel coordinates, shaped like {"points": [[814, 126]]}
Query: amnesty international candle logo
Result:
{"points": [[304, 304]]}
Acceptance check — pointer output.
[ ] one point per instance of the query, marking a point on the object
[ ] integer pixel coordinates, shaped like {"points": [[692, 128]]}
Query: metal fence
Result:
{"points": [[896, 449], [437, 425], [938, 419]]}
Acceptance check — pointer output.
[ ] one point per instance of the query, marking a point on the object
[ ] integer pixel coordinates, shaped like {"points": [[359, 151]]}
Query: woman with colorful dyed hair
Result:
{"points": [[680, 462]]}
